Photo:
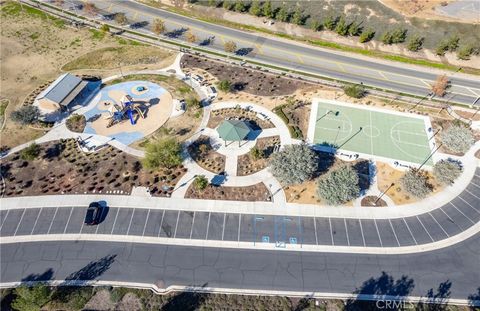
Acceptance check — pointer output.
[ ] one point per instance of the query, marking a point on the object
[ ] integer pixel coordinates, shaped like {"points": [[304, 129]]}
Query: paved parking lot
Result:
{"points": [[441, 223]]}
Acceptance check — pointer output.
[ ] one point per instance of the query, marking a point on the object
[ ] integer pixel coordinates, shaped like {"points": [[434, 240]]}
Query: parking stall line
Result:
{"points": [[68, 220], [176, 225], [146, 220], [208, 225], [114, 221], [19, 222], [471, 193], [331, 233], [406, 224], [239, 226], [346, 230], [475, 185], [449, 218], [469, 204], [361, 230], [161, 224], [394, 233], [223, 228], [378, 232], [439, 225], [193, 223], [315, 227], [53, 219], [36, 220], [3, 221], [462, 213], [425, 229], [130, 223]]}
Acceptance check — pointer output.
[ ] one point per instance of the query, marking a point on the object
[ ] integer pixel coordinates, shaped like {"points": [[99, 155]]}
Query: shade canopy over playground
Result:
{"points": [[233, 130]]}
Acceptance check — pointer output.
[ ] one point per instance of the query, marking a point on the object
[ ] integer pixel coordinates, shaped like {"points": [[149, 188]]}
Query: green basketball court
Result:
{"points": [[370, 131]]}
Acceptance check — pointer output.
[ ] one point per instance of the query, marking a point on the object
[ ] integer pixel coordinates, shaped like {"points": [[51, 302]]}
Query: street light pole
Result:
{"points": [[383, 193]]}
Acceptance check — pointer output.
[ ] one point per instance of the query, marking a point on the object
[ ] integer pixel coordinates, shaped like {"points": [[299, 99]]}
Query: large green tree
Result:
{"points": [[339, 185], [294, 164], [31, 298], [163, 153]]}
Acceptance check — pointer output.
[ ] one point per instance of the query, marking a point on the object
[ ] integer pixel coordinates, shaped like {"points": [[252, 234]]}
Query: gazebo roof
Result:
{"points": [[233, 130]]}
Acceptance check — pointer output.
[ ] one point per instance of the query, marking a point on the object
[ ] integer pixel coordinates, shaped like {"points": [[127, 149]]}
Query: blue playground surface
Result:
{"points": [[126, 138]]}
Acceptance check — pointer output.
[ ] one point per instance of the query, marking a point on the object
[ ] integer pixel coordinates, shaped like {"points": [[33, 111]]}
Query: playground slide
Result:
{"points": [[130, 115]]}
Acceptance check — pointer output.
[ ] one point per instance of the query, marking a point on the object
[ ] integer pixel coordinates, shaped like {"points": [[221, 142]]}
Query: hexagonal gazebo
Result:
{"points": [[233, 130]]}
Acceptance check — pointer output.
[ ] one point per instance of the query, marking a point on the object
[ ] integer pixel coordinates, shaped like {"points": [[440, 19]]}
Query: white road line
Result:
{"points": [[475, 184], [450, 218], [53, 219], [361, 230], [378, 232], [346, 230], [146, 220], [68, 220], [193, 223], [114, 221], [161, 224], [239, 226], [208, 225], [462, 213], [425, 229], [224, 219], [3, 221], [36, 220], [176, 224], [18, 225], [331, 232], [439, 225], [393, 230], [471, 193], [315, 227], [130, 223], [406, 224], [469, 204]]}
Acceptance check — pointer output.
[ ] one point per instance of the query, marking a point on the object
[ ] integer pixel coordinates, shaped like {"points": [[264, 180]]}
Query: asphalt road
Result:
{"points": [[392, 76], [453, 272]]}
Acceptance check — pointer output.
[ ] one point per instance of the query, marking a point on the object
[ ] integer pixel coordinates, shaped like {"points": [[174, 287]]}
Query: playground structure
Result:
{"points": [[125, 109]]}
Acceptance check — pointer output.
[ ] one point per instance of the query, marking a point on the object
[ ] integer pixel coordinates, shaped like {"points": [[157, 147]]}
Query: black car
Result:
{"points": [[94, 214]]}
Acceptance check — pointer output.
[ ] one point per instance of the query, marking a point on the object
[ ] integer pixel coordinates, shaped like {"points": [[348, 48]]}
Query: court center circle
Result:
{"points": [[371, 131]]}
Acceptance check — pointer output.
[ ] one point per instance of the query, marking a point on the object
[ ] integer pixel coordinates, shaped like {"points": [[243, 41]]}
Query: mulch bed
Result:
{"points": [[247, 80], [61, 168], [247, 165], [218, 115], [207, 158], [257, 192], [370, 201]]}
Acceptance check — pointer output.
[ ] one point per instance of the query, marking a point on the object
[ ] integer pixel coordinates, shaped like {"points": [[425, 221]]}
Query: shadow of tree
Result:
{"points": [[437, 301], [41, 277], [186, 300], [93, 270], [474, 299]]}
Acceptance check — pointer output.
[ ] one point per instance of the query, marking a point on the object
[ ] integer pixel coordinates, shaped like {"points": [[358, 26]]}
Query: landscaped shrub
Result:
{"points": [[449, 44], [339, 186], [466, 51], [354, 90], [415, 43], [416, 184], [330, 22], [457, 138], [316, 25], [31, 298], [366, 35], [257, 153], [230, 47], [342, 27], [294, 164], [267, 10], [121, 18], [200, 182], [397, 35], [283, 14], [26, 114], [158, 26], [255, 8], [354, 29], [163, 153], [225, 86], [30, 153], [298, 18], [446, 171]]}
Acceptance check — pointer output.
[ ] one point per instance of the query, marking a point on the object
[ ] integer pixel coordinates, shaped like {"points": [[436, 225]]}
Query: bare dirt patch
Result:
{"points": [[257, 192], [246, 80], [373, 201], [248, 165], [202, 152], [62, 169]]}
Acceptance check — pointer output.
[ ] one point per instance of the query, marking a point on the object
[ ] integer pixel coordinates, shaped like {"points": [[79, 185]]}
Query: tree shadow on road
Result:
{"points": [[474, 299], [40, 277]]}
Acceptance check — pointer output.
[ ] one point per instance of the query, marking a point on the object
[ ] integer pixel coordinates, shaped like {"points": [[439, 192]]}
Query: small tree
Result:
{"points": [[257, 153], [190, 37], [466, 51], [240, 6], [164, 153], [397, 35], [339, 186], [31, 298], [298, 18], [283, 14], [121, 18], [415, 43], [158, 26], [193, 102], [366, 35], [330, 22], [294, 164], [439, 87], [26, 115], [90, 8], [446, 171], [457, 139], [342, 27], [200, 182], [230, 47], [416, 184], [316, 25], [228, 5], [354, 29], [449, 44], [255, 8], [30, 153], [267, 10], [105, 28], [354, 90], [225, 86]]}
